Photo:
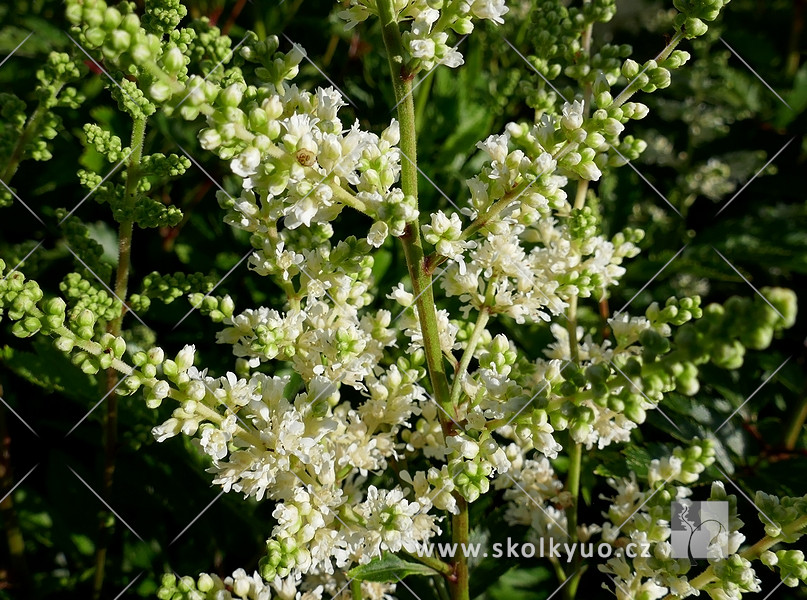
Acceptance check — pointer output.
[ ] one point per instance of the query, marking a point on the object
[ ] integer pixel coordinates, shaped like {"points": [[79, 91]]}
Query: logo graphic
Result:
{"points": [[699, 529]]}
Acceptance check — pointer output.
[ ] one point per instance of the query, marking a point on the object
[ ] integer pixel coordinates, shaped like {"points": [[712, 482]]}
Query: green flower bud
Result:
{"points": [[86, 318], [173, 60], [170, 369], [156, 355], [654, 342], [160, 91], [65, 344], [55, 306]]}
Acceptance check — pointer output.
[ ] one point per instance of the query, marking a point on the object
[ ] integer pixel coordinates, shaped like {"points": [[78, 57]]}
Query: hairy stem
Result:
{"points": [[459, 584], [412, 243], [114, 327], [573, 487], [419, 272]]}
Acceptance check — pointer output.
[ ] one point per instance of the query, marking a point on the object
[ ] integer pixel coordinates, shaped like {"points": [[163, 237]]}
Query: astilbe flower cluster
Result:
{"points": [[320, 446]]}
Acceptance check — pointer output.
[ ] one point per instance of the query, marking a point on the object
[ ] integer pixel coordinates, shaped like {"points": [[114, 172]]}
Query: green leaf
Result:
{"points": [[49, 369], [521, 584], [388, 568], [83, 544], [637, 460]]}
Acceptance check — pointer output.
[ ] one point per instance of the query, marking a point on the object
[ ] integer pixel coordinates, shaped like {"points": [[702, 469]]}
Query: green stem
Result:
{"points": [[559, 572], [411, 240], [459, 584], [796, 424], [573, 487], [114, 327], [632, 88], [468, 354], [575, 449], [422, 100], [571, 328], [435, 563], [25, 138], [355, 589], [420, 273]]}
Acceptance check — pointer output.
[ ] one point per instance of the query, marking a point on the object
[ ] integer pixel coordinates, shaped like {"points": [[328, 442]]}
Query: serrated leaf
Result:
{"points": [[389, 568], [637, 460], [521, 584], [611, 464], [50, 369]]}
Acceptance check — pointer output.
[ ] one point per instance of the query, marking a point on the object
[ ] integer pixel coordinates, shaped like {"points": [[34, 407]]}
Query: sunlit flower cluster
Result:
{"points": [[334, 412]]}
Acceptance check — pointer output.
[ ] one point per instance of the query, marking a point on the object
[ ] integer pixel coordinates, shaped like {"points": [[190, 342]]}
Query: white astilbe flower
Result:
{"points": [[410, 322], [587, 350], [263, 444], [533, 500], [626, 329], [300, 164], [391, 523], [521, 287], [322, 586], [427, 435], [493, 10], [628, 499], [427, 43], [446, 233], [392, 399]]}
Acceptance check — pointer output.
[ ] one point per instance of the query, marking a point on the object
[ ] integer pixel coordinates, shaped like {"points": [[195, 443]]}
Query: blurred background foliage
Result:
{"points": [[720, 192]]}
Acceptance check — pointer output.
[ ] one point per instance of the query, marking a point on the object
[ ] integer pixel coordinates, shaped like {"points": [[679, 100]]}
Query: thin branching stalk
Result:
{"points": [[28, 133], [752, 553], [796, 424], [419, 272], [126, 230]]}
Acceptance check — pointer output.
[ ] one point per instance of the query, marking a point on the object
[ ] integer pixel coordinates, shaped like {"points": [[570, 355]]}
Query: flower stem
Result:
{"points": [[435, 563], [412, 243], [459, 584], [573, 487], [114, 327], [355, 589], [796, 425], [419, 272], [28, 133], [631, 89], [473, 341]]}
